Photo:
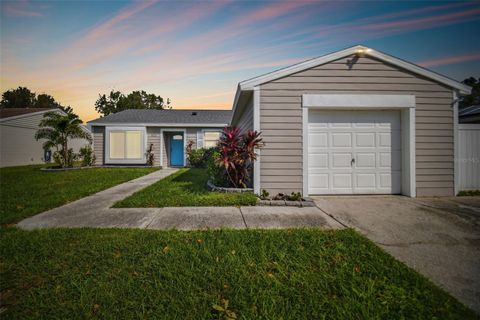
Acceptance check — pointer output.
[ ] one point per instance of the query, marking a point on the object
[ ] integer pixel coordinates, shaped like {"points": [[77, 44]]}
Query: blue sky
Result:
{"points": [[195, 52]]}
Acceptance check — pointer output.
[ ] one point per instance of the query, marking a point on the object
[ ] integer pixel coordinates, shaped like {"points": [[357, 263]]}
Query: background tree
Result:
{"points": [[474, 97], [23, 97], [117, 101], [46, 101], [57, 129]]}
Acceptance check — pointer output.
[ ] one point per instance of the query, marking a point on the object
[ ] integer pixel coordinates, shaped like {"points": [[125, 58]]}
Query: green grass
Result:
{"points": [[186, 187], [469, 193], [25, 190], [276, 274]]}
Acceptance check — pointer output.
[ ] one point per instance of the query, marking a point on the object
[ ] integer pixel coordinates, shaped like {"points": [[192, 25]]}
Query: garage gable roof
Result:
{"points": [[359, 50], [7, 114]]}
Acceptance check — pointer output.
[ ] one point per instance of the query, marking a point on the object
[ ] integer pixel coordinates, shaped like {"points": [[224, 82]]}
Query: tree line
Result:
{"points": [[116, 101]]}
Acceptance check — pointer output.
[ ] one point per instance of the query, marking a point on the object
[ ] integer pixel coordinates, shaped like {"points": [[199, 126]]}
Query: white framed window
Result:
{"points": [[210, 138], [125, 145]]}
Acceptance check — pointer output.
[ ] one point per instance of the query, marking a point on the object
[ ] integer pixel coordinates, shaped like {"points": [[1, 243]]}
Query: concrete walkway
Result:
{"points": [[95, 212], [439, 237]]}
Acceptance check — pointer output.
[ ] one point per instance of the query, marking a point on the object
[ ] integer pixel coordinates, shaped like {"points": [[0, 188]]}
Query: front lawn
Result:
{"points": [[274, 274], [186, 187], [25, 190]]}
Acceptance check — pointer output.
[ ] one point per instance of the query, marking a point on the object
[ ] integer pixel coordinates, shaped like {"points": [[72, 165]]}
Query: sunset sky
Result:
{"points": [[195, 52]]}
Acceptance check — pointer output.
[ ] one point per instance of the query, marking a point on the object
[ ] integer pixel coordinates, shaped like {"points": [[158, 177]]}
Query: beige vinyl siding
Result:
{"points": [[192, 136], [245, 121], [166, 146], [281, 120], [98, 144], [26, 121], [153, 137]]}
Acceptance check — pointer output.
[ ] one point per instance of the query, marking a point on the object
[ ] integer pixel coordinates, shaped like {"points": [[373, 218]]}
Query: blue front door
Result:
{"points": [[176, 150]]}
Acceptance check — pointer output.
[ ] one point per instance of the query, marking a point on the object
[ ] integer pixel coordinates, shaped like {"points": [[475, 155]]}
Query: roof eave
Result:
{"points": [[144, 124], [25, 115]]}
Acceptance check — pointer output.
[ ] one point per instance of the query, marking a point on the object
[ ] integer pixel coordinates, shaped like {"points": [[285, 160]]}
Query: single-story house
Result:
{"points": [[125, 137], [356, 121], [17, 136]]}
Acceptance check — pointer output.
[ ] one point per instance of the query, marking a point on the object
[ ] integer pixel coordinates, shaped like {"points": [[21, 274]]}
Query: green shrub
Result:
{"points": [[265, 195], [58, 158], [214, 171], [196, 158], [87, 156], [295, 196], [469, 193]]}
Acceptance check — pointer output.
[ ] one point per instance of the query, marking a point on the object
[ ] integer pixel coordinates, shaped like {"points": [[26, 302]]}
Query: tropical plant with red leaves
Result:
{"points": [[237, 154]]}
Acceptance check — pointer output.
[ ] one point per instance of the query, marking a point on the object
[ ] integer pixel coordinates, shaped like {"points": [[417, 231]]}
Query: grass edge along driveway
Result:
{"points": [[185, 188], [26, 190], [263, 274]]}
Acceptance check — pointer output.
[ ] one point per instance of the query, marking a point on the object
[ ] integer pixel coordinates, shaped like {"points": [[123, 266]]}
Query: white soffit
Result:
{"points": [[358, 101]]}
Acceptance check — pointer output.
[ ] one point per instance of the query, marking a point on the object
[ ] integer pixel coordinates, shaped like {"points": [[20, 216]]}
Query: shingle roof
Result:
{"points": [[12, 112], [169, 116]]}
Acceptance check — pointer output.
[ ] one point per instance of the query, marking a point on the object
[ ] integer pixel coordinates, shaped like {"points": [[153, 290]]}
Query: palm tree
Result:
{"points": [[57, 128]]}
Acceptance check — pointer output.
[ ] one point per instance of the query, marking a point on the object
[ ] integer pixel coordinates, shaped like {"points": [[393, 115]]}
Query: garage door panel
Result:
{"points": [[320, 180], [365, 180], [365, 160], [340, 140], [318, 140], [364, 124], [384, 139], [365, 139], [390, 160], [340, 125], [342, 180], [318, 161], [371, 138], [341, 160]]}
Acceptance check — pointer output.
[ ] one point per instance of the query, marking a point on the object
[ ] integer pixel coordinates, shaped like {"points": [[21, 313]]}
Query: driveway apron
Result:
{"points": [[438, 237]]}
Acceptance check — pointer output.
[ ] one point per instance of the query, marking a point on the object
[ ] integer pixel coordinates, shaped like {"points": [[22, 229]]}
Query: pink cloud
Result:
{"points": [[424, 23], [450, 60], [417, 11], [274, 10], [20, 8], [109, 26], [121, 34]]}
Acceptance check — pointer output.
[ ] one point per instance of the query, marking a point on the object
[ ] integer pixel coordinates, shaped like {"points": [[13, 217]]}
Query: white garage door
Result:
{"points": [[354, 152]]}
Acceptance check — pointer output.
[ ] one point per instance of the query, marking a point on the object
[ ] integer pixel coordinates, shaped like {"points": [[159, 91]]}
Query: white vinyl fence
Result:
{"points": [[468, 160]]}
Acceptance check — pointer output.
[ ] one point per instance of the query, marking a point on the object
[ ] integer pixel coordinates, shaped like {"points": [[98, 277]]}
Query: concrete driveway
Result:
{"points": [[438, 237]]}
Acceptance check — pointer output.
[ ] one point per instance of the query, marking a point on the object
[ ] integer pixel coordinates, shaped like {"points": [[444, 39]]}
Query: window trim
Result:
{"points": [[208, 130], [141, 160]]}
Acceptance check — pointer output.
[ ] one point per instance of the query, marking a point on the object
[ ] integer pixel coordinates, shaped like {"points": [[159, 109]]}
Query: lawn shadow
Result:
{"points": [[193, 180]]}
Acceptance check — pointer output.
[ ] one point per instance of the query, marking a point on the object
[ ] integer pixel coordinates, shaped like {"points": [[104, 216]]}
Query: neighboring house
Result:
{"points": [[356, 121], [469, 114], [125, 137], [17, 136]]}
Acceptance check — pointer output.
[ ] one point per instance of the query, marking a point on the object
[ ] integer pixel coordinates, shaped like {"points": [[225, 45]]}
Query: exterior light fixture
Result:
{"points": [[361, 52]]}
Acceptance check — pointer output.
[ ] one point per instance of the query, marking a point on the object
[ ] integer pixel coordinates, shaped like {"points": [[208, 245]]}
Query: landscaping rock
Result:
{"points": [[223, 189]]}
